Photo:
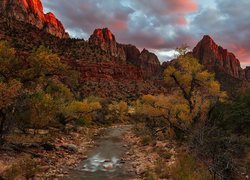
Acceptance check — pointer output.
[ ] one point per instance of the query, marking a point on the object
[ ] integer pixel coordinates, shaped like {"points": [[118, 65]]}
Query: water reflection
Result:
{"points": [[104, 160]]}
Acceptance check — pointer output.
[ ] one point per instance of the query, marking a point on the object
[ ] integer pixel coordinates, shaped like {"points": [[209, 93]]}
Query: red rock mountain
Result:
{"points": [[247, 72], [107, 68], [107, 42], [217, 59], [31, 11], [148, 62]]}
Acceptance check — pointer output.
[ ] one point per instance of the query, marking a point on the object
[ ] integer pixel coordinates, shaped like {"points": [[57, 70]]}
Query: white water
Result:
{"points": [[104, 161]]}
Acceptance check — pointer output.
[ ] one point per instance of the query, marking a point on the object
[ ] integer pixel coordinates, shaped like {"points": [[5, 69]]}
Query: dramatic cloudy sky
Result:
{"points": [[160, 25]]}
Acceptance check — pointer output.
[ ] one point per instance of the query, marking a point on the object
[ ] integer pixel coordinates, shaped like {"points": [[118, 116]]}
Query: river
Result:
{"points": [[104, 160]]}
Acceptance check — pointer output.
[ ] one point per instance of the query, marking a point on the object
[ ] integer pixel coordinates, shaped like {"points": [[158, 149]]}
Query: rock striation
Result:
{"points": [[107, 42], [31, 11], [247, 72], [148, 62], [217, 59]]}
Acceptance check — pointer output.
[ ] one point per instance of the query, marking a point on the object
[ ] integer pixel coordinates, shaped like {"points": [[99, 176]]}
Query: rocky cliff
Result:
{"points": [[105, 39], [31, 11], [148, 62], [247, 73], [217, 59]]}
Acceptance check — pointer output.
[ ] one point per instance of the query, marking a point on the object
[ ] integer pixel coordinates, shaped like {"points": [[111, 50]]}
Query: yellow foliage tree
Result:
{"points": [[42, 110], [82, 110], [195, 85], [43, 78], [195, 93], [119, 110]]}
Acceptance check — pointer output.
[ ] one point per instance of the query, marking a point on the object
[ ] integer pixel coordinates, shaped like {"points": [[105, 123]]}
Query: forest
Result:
{"points": [[39, 92]]}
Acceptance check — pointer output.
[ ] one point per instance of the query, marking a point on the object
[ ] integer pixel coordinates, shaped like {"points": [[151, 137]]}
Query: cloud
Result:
{"points": [[150, 24], [228, 24], [160, 25]]}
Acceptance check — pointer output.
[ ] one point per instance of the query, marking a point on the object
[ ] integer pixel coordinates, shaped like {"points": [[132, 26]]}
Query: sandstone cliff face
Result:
{"points": [[31, 11], [146, 61], [149, 61], [217, 59], [106, 40], [247, 72], [132, 54]]}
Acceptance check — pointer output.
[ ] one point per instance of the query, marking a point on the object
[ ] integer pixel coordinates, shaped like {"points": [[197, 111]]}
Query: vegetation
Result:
{"points": [[39, 91], [195, 94], [25, 167], [213, 126], [187, 168], [33, 89]]}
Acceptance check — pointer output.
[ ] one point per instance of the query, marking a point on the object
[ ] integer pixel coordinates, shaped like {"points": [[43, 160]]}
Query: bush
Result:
{"points": [[25, 167], [187, 168], [146, 140], [161, 168], [150, 175]]}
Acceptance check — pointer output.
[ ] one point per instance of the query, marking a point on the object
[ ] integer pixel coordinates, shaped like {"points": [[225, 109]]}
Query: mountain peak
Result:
{"points": [[217, 59], [31, 11], [207, 38], [104, 34], [106, 40]]}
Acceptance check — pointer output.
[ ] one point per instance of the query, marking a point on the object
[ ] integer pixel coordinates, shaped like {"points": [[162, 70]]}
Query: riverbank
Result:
{"points": [[144, 159], [45, 156], [63, 154]]}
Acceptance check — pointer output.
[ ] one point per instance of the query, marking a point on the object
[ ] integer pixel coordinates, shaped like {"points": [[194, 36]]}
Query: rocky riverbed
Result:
{"points": [[52, 154], [94, 153]]}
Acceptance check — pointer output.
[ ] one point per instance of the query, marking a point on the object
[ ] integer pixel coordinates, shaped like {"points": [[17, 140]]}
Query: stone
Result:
{"points": [[108, 165], [150, 63], [107, 42], [217, 59], [147, 63], [31, 11], [70, 147], [247, 73], [48, 146]]}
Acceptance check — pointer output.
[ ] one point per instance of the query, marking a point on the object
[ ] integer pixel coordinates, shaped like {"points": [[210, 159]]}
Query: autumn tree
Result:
{"points": [[195, 94], [9, 87], [9, 91], [34, 88], [195, 85], [118, 110], [81, 111]]}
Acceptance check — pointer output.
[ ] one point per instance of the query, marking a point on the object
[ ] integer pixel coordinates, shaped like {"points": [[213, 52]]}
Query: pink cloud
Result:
{"points": [[181, 20], [119, 25], [182, 6]]}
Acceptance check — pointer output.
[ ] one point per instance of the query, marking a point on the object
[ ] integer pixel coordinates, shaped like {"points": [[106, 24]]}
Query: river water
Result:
{"points": [[104, 161]]}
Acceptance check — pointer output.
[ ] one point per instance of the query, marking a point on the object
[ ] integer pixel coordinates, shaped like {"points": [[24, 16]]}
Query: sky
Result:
{"points": [[160, 25]]}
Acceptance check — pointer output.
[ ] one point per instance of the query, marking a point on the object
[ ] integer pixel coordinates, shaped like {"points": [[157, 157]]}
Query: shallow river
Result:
{"points": [[104, 161]]}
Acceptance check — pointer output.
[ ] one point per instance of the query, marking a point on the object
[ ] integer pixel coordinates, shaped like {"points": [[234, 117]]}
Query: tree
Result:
{"points": [[118, 110], [34, 88], [195, 85], [164, 113], [8, 61], [81, 111], [9, 91], [234, 116], [195, 94]]}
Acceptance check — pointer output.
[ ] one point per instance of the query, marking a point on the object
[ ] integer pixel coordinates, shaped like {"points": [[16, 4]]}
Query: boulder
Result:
{"points": [[70, 147]]}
